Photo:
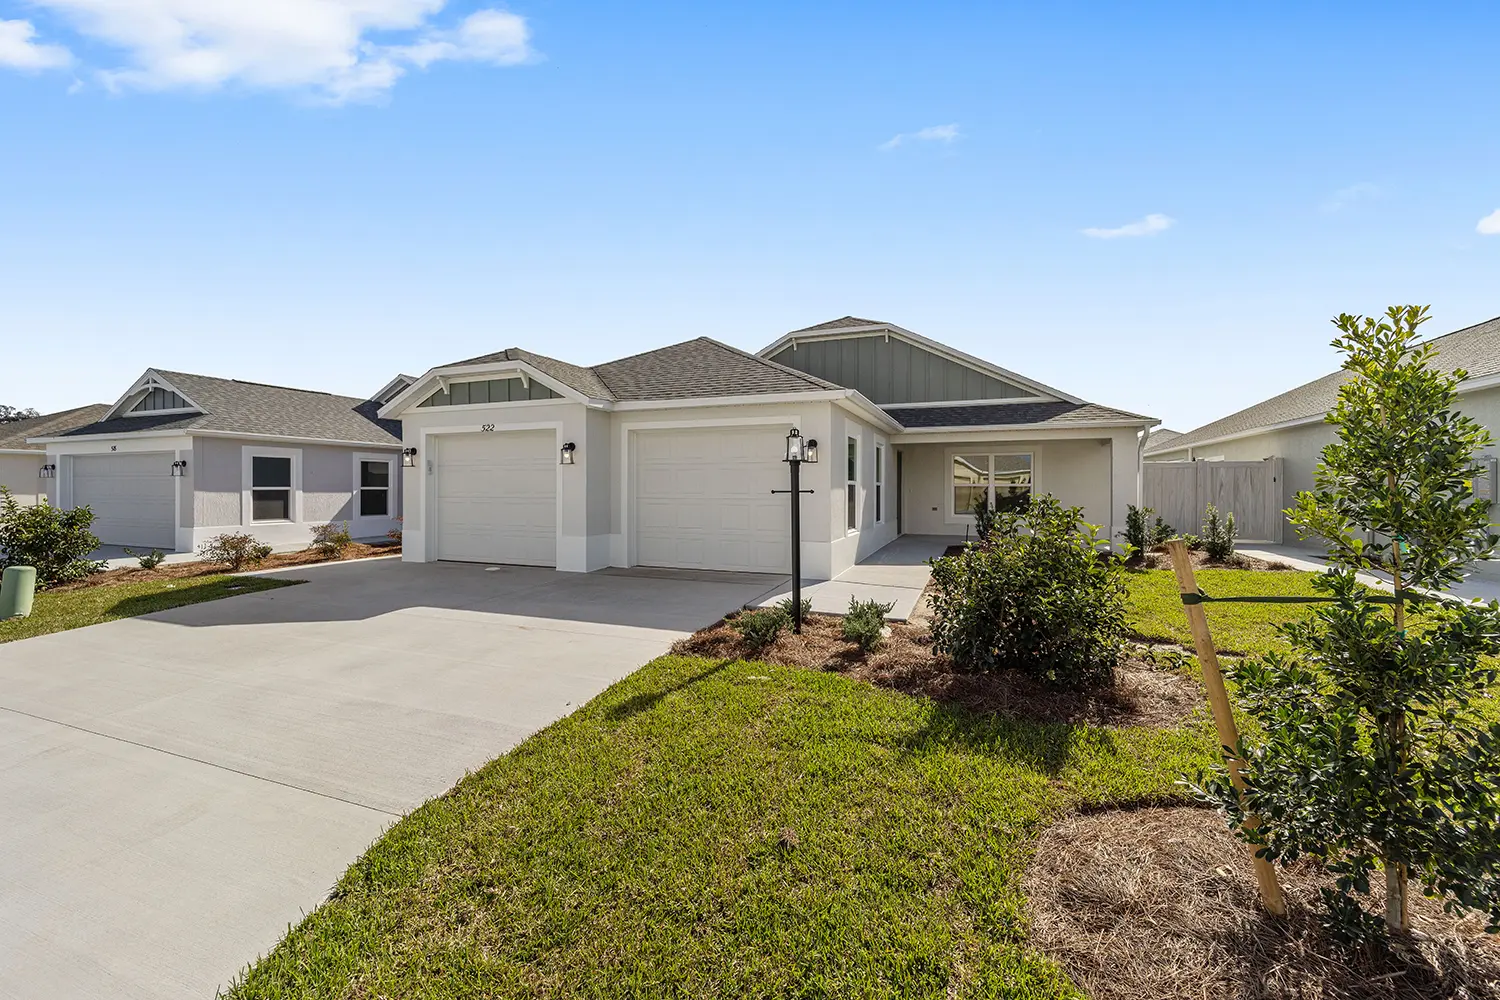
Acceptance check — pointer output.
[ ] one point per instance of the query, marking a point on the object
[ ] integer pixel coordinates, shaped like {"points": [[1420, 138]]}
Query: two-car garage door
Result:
{"points": [[702, 499], [133, 497]]}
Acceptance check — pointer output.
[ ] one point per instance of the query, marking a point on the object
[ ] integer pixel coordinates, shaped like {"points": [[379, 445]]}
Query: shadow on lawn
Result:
{"points": [[1046, 747], [192, 593], [647, 700]]}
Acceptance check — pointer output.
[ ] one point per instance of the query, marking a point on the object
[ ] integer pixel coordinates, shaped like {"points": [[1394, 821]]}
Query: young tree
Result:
{"points": [[10, 414], [1370, 753]]}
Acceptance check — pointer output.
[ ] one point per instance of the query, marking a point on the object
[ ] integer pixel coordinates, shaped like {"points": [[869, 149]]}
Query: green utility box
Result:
{"points": [[17, 587]]}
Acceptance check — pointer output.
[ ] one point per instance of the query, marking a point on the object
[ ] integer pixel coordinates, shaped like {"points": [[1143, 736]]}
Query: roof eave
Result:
{"points": [[403, 400]]}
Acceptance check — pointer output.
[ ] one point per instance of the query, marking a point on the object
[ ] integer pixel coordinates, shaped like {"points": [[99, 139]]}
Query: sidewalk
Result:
{"points": [[1481, 586]]}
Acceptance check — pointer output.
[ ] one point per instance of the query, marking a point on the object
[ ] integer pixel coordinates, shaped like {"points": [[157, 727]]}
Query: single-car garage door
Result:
{"points": [[495, 497], [703, 499], [133, 497]]}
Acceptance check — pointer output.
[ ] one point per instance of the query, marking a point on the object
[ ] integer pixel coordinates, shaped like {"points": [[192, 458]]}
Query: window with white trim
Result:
{"points": [[879, 483], [374, 488], [851, 487], [270, 488], [997, 477]]}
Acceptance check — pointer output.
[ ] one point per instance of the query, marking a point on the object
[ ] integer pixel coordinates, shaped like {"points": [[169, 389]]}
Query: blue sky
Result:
{"points": [[322, 192]]}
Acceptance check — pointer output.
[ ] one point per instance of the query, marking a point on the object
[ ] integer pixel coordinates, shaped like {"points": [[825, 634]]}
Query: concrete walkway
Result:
{"points": [[1483, 585], [179, 788], [895, 575]]}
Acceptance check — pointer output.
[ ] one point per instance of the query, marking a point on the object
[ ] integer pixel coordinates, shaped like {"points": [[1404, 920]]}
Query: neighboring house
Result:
{"points": [[21, 463], [1291, 426], [669, 458], [1160, 437], [180, 458]]}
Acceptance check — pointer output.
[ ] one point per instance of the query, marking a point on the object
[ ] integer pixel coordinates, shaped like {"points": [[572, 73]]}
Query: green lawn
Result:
{"points": [[59, 611], [1156, 614], [636, 848]]}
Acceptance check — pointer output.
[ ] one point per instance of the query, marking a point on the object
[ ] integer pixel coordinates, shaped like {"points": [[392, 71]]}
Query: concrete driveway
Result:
{"points": [[179, 788]]}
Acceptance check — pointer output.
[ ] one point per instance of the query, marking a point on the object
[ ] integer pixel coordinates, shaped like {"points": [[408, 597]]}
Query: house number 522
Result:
{"points": [[486, 427]]}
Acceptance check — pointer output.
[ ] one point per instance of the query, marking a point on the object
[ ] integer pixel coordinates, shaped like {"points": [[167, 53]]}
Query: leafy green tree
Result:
{"points": [[1370, 753]]}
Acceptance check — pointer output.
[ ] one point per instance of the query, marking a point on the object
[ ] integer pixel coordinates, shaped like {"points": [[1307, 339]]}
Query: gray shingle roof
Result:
{"points": [[702, 368], [15, 433], [234, 407], [1162, 435], [1056, 414], [584, 380], [843, 322], [1475, 349]]}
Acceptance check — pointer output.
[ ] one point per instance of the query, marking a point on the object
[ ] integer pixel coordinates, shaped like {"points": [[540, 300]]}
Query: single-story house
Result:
{"points": [[669, 458], [1291, 426], [180, 458], [21, 462]]}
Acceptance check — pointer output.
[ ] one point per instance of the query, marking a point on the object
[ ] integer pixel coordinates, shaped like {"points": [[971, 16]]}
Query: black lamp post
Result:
{"points": [[797, 452]]}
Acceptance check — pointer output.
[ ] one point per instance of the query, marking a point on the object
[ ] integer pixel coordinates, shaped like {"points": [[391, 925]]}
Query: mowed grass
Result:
{"points": [[57, 611], [1156, 614]]}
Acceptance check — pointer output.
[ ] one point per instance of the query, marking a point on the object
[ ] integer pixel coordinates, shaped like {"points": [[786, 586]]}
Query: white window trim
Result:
{"points": [[952, 516], [391, 511], [852, 441], [250, 452], [882, 458]]}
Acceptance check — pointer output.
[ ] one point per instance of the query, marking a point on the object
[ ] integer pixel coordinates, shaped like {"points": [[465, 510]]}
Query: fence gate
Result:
{"points": [[1180, 491]]}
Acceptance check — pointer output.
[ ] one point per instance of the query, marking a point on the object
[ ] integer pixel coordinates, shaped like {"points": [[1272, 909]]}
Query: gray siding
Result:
{"points": [[889, 370], [497, 390], [159, 399]]}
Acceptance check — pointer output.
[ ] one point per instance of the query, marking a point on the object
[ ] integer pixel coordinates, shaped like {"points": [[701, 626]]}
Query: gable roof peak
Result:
{"points": [[842, 323]]}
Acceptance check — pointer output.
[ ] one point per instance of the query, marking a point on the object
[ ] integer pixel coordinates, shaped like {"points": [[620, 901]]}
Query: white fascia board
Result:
{"points": [[917, 340], [117, 436], [330, 442], [746, 400], [463, 373], [860, 405], [1316, 418], [23, 451], [917, 435], [150, 375], [971, 402]]}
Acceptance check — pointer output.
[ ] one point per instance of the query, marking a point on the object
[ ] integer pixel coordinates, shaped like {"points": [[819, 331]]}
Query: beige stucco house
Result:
{"points": [[1291, 426], [23, 465], [669, 458]]}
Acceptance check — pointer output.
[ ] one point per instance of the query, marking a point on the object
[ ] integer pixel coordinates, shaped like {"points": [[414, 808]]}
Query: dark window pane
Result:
{"points": [[853, 506], [271, 505], [374, 503], [375, 474], [267, 471]]}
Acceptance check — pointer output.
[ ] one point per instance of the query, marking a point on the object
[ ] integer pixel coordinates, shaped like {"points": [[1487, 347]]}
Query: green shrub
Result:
{"points": [[1140, 533], [785, 604], [1218, 535], [760, 628], [235, 549], [864, 622], [331, 539], [1041, 595], [55, 542], [147, 560]]}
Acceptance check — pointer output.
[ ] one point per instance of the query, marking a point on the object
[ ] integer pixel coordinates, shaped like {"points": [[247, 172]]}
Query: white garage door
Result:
{"points": [[495, 497], [133, 498], [703, 499]]}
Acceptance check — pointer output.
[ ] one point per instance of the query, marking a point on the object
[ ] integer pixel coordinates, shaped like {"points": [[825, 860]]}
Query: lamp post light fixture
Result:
{"points": [[566, 457], [798, 451], [179, 468], [47, 472], [409, 458]]}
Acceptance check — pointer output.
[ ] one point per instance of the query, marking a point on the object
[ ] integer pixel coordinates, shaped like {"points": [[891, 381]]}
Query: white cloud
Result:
{"points": [[341, 50], [1149, 226], [1344, 197], [1490, 224], [932, 133], [18, 51]]}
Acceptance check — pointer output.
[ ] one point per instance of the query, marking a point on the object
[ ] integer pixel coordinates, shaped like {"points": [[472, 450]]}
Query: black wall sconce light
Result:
{"points": [[47, 472], [409, 458], [567, 453], [179, 468]]}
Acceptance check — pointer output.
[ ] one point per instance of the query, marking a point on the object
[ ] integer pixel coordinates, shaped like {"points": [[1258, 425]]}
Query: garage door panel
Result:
{"points": [[496, 498], [133, 497], [702, 499]]}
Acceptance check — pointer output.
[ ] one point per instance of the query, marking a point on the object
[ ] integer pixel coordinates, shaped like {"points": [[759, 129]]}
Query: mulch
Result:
{"points": [[1157, 558], [1157, 903], [188, 570], [1143, 695]]}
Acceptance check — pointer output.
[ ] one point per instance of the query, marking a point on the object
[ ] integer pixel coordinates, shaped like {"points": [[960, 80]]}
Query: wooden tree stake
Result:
{"points": [[1218, 700]]}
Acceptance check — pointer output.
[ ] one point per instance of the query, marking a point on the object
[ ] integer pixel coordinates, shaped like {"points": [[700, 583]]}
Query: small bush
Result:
{"points": [[1218, 535], [1041, 595], [864, 623], [147, 560], [1140, 533], [786, 607], [760, 628], [331, 539], [235, 549], [54, 542]]}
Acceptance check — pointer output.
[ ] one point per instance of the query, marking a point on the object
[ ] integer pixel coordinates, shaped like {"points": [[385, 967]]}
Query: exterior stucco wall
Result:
{"points": [[18, 473], [1076, 471]]}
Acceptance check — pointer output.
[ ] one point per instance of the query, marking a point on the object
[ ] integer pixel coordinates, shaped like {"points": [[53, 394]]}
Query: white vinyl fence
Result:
{"points": [[1179, 492]]}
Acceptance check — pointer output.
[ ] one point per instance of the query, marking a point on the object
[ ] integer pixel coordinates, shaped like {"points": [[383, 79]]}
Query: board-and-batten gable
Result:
{"points": [[157, 398], [888, 370], [497, 390]]}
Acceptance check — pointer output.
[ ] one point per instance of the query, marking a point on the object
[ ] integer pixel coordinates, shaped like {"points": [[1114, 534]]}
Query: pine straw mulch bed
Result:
{"points": [[187, 570], [1158, 903], [1143, 695]]}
